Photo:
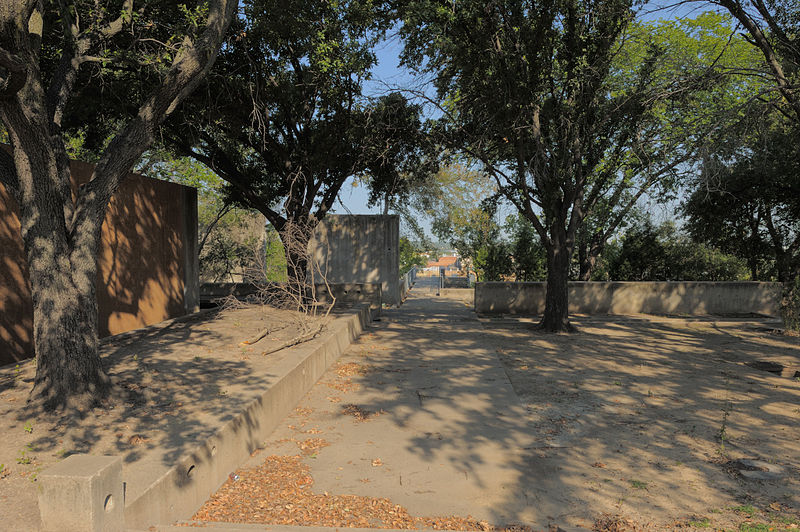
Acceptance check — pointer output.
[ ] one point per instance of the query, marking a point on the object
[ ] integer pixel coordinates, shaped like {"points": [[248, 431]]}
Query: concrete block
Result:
{"points": [[360, 249], [83, 493]]}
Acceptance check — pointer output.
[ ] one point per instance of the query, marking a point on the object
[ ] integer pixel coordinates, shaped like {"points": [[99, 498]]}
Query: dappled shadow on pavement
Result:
{"points": [[639, 416]]}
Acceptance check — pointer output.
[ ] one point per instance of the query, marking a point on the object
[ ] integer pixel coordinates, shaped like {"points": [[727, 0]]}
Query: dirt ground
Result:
{"points": [[174, 385], [648, 418], [640, 423]]}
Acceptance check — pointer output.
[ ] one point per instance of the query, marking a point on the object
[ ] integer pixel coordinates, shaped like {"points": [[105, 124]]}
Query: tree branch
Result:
{"points": [[192, 62], [16, 74], [8, 172]]}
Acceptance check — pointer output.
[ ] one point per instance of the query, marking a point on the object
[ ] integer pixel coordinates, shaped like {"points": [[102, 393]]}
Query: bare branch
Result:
{"points": [[760, 41], [74, 55]]}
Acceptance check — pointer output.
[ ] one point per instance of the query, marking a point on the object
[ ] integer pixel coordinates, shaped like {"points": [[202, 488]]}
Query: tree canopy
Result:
{"points": [[572, 110], [283, 119], [44, 50]]}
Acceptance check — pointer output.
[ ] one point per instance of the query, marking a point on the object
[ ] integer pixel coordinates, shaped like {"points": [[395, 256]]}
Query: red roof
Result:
{"points": [[442, 262]]}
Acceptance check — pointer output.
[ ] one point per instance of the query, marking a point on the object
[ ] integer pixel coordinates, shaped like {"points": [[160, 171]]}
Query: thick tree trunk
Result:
{"points": [[68, 367], [556, 306], [61, 227], [62, 266]]}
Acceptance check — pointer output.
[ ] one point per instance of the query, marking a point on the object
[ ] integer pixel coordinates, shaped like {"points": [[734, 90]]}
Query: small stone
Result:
{"points": [[758, 469]]}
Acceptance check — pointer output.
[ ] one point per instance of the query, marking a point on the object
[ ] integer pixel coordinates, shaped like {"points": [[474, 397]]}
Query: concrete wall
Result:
{"points": [[455, 282], [360, 249], [693, 298], [147, 263], [407, 281]]}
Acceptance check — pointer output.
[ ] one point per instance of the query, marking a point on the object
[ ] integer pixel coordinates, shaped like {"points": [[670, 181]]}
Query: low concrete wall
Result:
{"points": [[348, 294], [455, 282], [178, 493], [692, 298]]}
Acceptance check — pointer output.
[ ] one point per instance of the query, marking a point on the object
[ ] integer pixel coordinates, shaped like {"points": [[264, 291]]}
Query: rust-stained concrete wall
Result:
{"points": [[147, 262], [360, 249], [692, 298]]}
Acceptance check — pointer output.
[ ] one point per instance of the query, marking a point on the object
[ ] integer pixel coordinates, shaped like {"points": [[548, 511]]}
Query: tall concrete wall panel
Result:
{"points": [[690, 298], [147, 263], [360, 249]]}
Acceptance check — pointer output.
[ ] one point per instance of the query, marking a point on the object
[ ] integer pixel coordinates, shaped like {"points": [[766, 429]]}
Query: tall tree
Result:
{"points": [[531, 91], [773, 27], [748, 203], [283, 120], [61, 224]]}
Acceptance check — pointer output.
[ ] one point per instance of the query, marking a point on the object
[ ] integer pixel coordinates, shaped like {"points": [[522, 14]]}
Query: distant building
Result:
{"points": [[449, 263]]}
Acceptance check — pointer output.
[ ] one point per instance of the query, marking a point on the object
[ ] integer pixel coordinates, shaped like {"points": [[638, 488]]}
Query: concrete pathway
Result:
{"points": [[450, 434]]}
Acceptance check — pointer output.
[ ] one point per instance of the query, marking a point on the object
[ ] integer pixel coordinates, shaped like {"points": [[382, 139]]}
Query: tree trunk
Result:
{"points": [[556, 307], [588, 262], [69, 371], [62, 267], [587, 267]]}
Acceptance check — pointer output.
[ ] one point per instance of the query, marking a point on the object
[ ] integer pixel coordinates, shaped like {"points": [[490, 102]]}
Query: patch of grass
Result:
{"points": [[703, 523], [754, 527], [23, 458], [638, 484], [28, 427], [747, 509], [617, 383]]}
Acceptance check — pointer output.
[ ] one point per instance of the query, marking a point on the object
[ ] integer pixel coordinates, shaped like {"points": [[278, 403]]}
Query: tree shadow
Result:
{"points": [[635, 414], [142, 262], [174, 386]]}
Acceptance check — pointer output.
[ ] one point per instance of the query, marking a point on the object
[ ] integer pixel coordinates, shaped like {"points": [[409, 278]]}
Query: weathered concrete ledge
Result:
{"points": [[235, 527], [688, 298], [181, 490]]}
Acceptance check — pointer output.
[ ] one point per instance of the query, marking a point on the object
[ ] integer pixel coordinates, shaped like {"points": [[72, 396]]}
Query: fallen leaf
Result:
{"points": [[377, 462]]}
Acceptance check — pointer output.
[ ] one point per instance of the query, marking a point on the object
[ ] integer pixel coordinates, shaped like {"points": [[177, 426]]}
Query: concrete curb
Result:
{"points": [[177, 494], [239, 527]]}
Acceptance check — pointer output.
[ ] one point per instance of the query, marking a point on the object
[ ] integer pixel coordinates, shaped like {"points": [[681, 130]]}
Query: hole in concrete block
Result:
{"points": [[214, 450], [108, 504], [190, 471]]}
